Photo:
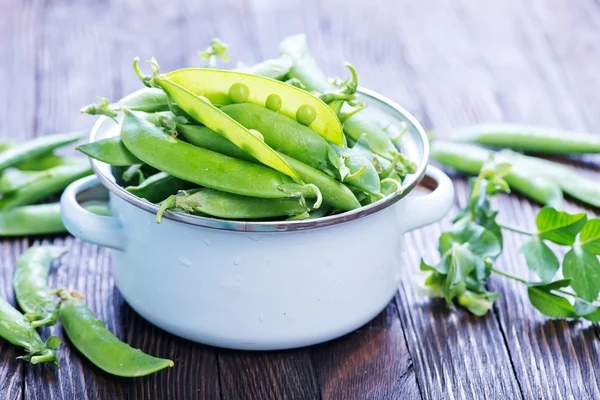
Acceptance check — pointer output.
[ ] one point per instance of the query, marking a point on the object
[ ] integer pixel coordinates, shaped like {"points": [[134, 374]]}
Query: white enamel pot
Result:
{"points": [[259, 285]]}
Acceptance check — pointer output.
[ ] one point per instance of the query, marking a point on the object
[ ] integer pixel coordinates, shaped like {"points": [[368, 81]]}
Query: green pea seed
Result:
{"points": [[239, 92], [306, 115], [274, 102]]}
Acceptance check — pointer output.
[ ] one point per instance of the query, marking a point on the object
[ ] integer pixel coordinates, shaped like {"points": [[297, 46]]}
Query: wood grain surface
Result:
{"points": [[450, 62]]}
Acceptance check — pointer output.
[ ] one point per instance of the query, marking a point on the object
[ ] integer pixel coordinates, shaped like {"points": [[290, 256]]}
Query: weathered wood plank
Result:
{"points": [[17, 122]]}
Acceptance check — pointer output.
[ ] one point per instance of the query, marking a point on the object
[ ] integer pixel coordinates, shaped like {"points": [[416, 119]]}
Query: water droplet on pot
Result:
{"points": [[256, 238], [207, 242], [237, 261], [238, 278], [261, 317], [185, 262]]}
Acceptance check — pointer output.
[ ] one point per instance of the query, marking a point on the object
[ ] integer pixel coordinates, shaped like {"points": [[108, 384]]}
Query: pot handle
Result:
{"points": [[419, 211], [87, 226]]}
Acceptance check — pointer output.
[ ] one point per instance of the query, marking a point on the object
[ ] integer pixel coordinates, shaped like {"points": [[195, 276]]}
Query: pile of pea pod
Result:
{"points": [[277, 140], [539, 179], [31, 173], [87, 333]]}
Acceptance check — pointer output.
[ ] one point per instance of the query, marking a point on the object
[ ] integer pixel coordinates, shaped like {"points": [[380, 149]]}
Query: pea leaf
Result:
{"points": [[461, 264], [477, 303], [540, 258], [548, 303], [558, 226], [583, 268], [589, 237], [547, 286], [587, 310], [481, 242]]}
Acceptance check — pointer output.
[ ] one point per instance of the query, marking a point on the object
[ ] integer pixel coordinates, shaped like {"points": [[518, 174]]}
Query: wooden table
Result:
{"points": [[450, 62]]}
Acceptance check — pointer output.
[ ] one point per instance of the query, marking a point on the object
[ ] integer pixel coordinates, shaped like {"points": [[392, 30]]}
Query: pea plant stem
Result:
{"points": [[523, 281], [517, 230]]}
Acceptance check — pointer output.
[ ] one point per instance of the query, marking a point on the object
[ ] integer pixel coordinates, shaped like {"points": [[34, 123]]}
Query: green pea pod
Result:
{"points": [[334, 193], [31, 284], [53, 181], [357, 125], [35, 148], [231, 206], [226, 87], [572, 182], [158, 187], [530, 138], [204, 112], [204, 167], [287, 136], [152, 100], [89, 335], [363, 174], [470, 159], [276, 68], [40, 219], [110, 150], [41, 163], [16, 329], [147, 100], [14, 179]]}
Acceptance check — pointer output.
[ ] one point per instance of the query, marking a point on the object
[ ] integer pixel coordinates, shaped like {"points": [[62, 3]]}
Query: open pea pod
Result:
{"points": [[226, 87], [204, 112]]}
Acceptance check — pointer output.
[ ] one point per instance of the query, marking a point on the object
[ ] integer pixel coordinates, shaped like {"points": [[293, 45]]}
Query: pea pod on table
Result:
{"points": [[89, 335], [572, 182], [16, 329], [530, 138], [335, 193], [470, 159], [31, 284], [51, 182], [204, 112], [204, 167], [36, 147]]}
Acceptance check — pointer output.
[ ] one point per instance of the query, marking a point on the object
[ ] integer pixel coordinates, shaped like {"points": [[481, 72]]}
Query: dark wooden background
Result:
{"points": [[450, 62]]}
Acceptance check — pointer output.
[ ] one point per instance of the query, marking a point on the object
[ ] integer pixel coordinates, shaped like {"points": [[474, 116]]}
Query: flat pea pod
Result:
{"points": [[16, 329], [231, 206], [334, 193], [572, 182], [146, 100], [110, 151], [226, 87], [41, 163], [31, 284], [89, 335], [204, 167], [362, 173], [470, 159], [530, 138], [55, 180], [202, 111], [36, 147], [13, 179], [158, 187], [39, 219], [287, 136], [276, 68], [16, 178]]}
